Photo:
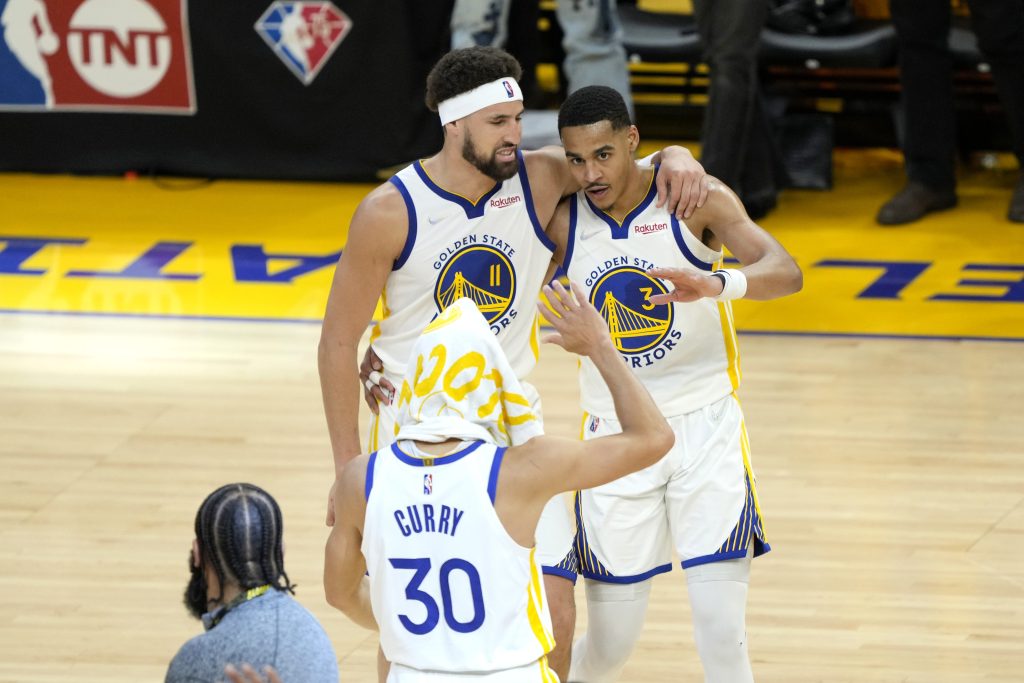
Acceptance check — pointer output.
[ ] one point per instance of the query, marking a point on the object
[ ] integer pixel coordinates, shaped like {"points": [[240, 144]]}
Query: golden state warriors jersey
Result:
{"points": [[685, 353], [493, 251], [450, 589]]}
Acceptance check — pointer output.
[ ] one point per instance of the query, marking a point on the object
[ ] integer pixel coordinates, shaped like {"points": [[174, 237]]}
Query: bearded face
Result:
{"points": [[195, 591], [500, 163]]}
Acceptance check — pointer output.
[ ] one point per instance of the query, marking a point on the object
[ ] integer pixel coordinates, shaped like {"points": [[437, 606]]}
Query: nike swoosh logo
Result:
{"points": [[587, 236]]}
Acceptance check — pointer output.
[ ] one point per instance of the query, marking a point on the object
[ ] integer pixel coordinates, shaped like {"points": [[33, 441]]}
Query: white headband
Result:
{"points": [[495, 92]]}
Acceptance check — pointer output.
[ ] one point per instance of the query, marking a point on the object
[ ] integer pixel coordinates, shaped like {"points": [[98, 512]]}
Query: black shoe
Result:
{"points": [[1016, 212], [912, 203]]}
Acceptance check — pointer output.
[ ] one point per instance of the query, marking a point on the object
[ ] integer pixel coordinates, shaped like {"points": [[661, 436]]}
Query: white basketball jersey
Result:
{"points": [[685, 353], [450, 589], [493, 251]]}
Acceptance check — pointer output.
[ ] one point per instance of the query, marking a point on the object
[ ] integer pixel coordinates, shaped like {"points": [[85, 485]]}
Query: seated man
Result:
{"points": [[240, 591], [444, 519]]}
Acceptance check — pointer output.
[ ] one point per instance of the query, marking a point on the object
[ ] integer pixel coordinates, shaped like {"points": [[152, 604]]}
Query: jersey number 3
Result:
{"points": [[421, 567]]}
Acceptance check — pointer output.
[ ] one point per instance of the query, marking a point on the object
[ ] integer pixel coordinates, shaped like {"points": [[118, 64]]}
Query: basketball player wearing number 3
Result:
{"points": [[658, 284]]}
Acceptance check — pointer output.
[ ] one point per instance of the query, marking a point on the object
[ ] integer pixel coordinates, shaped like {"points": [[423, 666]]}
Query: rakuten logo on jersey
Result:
{"points": [[648, 228], [502, 202]]}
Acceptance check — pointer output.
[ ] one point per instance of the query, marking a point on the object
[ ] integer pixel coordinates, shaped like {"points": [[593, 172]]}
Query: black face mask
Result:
{"points": [[195, 592]]}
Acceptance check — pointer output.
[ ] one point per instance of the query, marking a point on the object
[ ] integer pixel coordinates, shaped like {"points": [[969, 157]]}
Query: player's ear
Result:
{"points": [[633, 136]]}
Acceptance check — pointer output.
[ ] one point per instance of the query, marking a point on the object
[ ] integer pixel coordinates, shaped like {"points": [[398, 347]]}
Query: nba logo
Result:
{"points": [[428, 484], [303, 35], [508, 89], [594, 423]]}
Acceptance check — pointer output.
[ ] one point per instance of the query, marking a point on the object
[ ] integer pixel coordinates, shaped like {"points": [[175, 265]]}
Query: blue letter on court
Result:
{"points": [[147, 266], [251, 264], [1014, 288], [20, 249], [897, 275]]}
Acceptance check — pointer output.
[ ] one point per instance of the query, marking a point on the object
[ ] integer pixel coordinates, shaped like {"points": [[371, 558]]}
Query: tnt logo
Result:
{"points": [[303, 35], [428, 484], [118, 55]]}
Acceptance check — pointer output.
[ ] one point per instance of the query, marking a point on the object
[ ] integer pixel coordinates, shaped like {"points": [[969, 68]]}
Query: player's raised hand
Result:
{"points": [[689, 286], [579, 328]]}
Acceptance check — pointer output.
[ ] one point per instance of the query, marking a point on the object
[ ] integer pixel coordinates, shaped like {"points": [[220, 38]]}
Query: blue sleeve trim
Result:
{"points": [[410, 237], [636, 578], [369, 473], [528, 195], [570, 240], [676, 228], [492, 481], [558, 571]]}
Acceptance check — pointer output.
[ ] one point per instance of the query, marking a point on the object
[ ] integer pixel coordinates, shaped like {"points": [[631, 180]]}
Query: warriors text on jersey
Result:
{"points": [[685, 353], [450, 589], [493, 251]]}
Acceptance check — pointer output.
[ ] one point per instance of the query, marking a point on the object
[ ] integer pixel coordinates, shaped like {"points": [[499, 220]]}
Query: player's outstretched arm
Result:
{"points": [[376, 237], [345, 582], [569, 464], [768, 270]]}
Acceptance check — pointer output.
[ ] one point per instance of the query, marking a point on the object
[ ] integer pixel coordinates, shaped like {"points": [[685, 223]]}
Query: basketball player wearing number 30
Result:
{"points": [[658, 284], [443, 520]]}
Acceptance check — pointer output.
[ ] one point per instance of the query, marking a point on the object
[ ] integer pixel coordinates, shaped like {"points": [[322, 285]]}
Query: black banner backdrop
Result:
{"points": [[254, 117]]}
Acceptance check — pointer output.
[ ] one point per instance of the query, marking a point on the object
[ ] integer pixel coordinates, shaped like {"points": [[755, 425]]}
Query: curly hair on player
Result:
{"points": [[460, 71]]}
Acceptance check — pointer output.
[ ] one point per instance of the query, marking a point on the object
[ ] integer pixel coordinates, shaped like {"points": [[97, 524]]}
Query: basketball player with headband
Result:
{"points": [[468, 221]]}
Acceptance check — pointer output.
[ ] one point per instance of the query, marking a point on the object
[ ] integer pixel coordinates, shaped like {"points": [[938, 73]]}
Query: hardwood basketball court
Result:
{"points": [[886, 427]]}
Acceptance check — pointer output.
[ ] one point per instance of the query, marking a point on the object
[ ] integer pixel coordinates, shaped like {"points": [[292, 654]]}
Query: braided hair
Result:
{"points": [[239, 530]]}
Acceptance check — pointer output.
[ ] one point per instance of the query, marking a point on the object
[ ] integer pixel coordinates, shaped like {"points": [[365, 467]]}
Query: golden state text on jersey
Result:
{"points": [[686, 354], [491, 249]]}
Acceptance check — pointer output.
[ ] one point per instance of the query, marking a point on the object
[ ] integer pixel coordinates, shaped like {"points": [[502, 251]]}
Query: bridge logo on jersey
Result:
{"points": [[303, 35], [482, 274], [623, 297], [96, 55]]}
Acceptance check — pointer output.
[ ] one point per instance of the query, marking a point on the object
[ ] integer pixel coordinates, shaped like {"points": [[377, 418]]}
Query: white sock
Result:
{"points": [[718, 599], [615, 617]]}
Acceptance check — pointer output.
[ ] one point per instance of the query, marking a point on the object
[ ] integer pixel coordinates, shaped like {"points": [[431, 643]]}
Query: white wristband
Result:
{"points": [[734, 283]]}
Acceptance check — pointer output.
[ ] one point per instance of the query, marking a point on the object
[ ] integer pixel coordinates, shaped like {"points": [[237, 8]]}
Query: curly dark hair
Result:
{"points": [[592, 104], [462, 70]]}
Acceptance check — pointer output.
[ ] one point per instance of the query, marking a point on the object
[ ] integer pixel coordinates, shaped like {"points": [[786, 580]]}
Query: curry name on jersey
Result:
{"points": [[450, 589]]}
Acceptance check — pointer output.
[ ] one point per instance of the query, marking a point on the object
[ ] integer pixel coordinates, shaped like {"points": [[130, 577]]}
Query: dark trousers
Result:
{"points": [[738, 144], [929, 142]]}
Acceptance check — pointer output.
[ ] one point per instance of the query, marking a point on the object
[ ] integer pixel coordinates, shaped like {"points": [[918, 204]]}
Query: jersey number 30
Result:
{"points": [[412, 592]]}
